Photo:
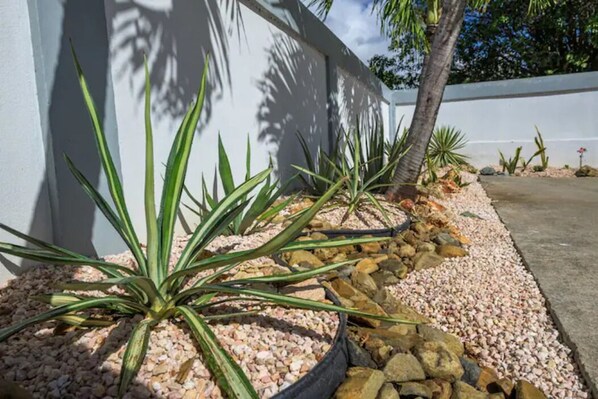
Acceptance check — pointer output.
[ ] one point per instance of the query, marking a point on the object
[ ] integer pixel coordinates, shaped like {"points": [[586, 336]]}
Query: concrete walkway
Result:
{"points": [[554, 223]]}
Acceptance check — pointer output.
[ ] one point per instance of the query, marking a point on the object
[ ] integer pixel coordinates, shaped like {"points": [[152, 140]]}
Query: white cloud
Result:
{"points": [[355, 24]]}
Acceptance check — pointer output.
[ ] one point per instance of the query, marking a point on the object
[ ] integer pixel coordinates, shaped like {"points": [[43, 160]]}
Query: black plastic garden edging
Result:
{"points": [[321, 381], [388, 232]]}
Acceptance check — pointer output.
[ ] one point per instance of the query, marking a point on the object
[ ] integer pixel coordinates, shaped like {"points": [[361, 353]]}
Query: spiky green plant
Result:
{"points": [[444, 146], [260, 211], [510, 165], [322, 165], [152, 288], [430, 173], [377, 152], [351, 167], [539, 140]]}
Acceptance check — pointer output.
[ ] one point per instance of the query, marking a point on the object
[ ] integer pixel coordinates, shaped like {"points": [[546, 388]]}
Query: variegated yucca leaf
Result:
{"points": [[152, 288]]}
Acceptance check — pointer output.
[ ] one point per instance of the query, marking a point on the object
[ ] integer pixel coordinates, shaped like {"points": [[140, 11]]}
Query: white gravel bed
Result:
{"points": [[548, 172], [492, 302], [275, 348]]}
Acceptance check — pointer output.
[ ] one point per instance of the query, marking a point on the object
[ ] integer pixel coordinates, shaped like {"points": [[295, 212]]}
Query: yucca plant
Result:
{"points": [[350, 169], [510, 165], [322, 165], [154, 290], [260, 211], [377, 152], [539, 140], [444, 146]]}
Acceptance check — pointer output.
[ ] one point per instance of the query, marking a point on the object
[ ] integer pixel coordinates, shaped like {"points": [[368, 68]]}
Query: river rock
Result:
{"points": [[426, 247], [364, 282], [358, 356], [450, 251], [395, 266], [370, 247], [384, 278], [420, 228], [472, 371], [316, 235], [452, 342], [406, 251], [462, 390], [302, 258], [486, 378], [503, 385], [444, 238], [426, 260], [367, 265], [325, 253], [586, 171], [306, 289], [413, 390], [525, 390], [487, 171], [388, 392], [441, 389], [403, 367], [398, 341], [438, 361], [361, 383], [409, 237]]}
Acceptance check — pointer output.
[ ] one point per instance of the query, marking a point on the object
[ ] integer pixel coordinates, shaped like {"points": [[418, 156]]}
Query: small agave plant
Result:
{"points": [[154, 290]]}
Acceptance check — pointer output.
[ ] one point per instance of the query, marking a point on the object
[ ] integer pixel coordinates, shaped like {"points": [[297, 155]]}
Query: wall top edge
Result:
{"points": [[292, 17], [526, 87]]}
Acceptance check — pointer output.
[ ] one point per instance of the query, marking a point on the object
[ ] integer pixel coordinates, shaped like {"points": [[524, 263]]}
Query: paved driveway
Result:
{"points": [[554, 223]]}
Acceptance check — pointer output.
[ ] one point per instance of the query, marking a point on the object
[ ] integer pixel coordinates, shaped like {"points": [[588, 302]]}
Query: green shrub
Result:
{"points": [[541, 149], [153, 289], [444, 146], [351, 163], [510, 165]]}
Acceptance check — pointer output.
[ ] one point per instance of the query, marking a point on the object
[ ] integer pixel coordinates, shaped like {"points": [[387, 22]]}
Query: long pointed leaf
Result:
{"points": [[59, 311], [150, 195], [288, 301], [110, 269], [112, 177], [175, 176], [276, 243], [290, 277], [224, 169], [134, 354], [230, 377], [42, 244]]}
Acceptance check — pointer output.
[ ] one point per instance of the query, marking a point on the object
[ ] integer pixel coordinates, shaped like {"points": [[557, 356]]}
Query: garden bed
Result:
{"points": [[275, 347], [492, 302]]}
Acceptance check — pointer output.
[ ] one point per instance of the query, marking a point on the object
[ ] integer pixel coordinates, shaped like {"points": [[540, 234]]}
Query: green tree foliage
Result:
{"points": [[503, 41]]}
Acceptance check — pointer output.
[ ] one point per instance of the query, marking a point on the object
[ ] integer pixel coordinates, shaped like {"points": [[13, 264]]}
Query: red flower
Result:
{"points": [[581, 150]]}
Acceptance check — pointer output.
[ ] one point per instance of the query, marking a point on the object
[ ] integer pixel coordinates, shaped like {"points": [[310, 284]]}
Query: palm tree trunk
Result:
{"points": [[433, 79]]}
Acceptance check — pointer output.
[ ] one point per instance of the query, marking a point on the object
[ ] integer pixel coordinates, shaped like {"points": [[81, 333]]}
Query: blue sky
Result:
{"points": [[353, 22]]}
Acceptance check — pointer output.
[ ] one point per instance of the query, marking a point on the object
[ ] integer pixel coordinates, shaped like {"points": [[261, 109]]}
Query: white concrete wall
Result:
{"points": [[502, 115], [24, 200], [263, 84], [275, 70]]}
